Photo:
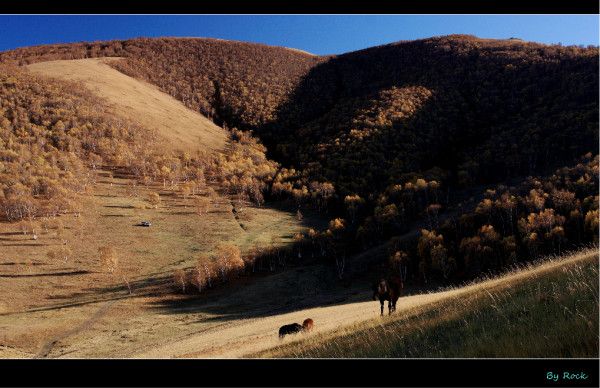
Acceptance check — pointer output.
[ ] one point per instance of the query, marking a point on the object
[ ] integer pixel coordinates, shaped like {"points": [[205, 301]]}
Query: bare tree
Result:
{"points": [[154, 199], [340, 263], [110, 262], [202, 204], [179, 279]]}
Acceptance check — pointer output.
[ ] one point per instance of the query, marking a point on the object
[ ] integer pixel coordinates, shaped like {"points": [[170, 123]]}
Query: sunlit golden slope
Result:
{"points": [[139, 101]]}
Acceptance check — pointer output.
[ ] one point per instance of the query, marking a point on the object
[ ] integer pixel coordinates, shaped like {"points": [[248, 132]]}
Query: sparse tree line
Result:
{"points": [[226, 264]]}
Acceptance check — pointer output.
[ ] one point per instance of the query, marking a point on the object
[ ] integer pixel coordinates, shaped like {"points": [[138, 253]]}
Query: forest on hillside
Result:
{"points": [[55, 136], [489, 147]]}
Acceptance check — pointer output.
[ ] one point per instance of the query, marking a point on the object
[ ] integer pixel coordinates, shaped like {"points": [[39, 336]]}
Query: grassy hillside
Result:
{"points": [[545, 310], [138, 101], [399, 136], [79, 169], [82, 161]]}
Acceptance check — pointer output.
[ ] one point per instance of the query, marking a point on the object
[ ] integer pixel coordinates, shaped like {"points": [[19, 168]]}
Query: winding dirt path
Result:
{"points": [[48, 346]]}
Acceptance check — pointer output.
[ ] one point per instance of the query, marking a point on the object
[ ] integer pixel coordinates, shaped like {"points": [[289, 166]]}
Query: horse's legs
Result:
{"points": [[390, 307], [382, 302]]}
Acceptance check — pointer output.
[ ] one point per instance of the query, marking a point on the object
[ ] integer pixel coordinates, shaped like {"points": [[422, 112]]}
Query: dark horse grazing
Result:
{"points": [[294, 328], [390, 290]]}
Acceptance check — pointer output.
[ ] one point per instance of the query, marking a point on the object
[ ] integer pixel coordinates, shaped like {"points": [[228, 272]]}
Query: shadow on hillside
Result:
{"points": [[334, 92], [461, 118], [267, 295], [64, 273], [293, 289]]}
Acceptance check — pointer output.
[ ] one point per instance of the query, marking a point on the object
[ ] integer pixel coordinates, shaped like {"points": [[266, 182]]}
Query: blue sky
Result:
{"points": [[317, 34]]}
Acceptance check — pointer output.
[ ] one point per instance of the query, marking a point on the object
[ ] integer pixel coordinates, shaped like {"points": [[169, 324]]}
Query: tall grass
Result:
{"points": [[552, 314]]}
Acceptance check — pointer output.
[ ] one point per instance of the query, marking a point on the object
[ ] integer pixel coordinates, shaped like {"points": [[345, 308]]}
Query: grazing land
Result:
{"points": [[188, 197], [545, 310], [45, 297]]}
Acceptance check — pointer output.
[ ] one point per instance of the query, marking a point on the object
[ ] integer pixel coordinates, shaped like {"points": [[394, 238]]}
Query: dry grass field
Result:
{"points": [[61, 299], [549, 309], [46, 296], [140, 102], [59, 293], [95, 283]]}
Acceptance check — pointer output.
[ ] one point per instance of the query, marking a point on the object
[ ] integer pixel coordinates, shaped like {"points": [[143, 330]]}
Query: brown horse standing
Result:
{"points": [[390, 290]]}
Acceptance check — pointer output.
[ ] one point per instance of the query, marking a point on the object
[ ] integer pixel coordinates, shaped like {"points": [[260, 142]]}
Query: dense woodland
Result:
{"points": [[381, 141], [236, 83]]}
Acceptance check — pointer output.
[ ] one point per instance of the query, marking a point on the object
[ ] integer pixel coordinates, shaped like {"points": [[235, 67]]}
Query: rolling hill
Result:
{"points": [[267, 168]]}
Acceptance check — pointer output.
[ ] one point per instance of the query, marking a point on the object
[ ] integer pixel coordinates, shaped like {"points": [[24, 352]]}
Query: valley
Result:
{"points": [[184, 198]]}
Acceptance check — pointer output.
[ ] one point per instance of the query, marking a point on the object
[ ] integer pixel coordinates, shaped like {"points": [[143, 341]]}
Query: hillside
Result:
{"points": [[458, 109], [279, 184], [227, 81], [393, 137], [80, 167], [546, 310], [179, 127]]}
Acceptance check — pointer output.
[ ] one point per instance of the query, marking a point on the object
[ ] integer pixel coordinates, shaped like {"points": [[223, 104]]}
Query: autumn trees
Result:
{"points": [[433, 256], [244, 169], [154, 199], [510, 225], [52, 133], [54, 137], [223, 265], [109, 260]]}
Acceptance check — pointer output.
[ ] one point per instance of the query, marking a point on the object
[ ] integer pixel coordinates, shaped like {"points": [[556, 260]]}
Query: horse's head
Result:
{"points": [[307, 325]]}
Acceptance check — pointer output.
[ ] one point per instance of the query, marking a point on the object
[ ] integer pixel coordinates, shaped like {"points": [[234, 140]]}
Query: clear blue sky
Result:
{"points": [[317, 34]]}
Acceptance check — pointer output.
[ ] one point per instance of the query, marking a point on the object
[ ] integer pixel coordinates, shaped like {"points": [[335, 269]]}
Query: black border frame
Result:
{"points": [[299, 373], [301, 7]]}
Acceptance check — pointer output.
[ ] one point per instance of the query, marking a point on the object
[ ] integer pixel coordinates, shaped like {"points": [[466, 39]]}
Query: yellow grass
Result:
{"points": [[433, 325], [44, 297], [136, 100]]}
